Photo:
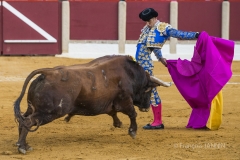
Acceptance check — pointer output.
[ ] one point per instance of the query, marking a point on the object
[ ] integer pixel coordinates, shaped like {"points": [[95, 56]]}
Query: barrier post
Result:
{"points": [[174, 24], [121, 26], [65, 26], [225, 19]]}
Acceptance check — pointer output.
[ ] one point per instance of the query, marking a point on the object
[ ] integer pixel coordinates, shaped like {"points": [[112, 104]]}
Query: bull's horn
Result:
{"points": [[149, 88], [160, 82]]}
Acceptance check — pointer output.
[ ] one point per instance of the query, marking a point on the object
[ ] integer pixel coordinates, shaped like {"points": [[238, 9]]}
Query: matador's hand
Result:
{"points": [[197, 34], [164, 62]]}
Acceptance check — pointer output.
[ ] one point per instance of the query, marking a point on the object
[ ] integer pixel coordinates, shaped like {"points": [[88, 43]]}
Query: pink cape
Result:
{"points": [[200, 79]]}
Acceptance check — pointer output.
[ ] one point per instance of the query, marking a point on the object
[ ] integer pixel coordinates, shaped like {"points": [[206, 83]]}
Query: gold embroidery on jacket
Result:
{"points": [[162, 27]]}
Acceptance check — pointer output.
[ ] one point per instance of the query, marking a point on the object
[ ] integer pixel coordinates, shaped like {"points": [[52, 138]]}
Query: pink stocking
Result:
{"points": [[157, 113]]}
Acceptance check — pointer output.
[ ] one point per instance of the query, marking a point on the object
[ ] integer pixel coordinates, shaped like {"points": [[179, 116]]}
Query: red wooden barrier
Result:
{"points": [[234, 20], [200, 16], [31, 27], [1, 40], [93, 20]]}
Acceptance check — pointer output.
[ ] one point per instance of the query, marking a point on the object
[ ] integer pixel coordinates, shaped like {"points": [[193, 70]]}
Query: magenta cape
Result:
{"points": [[200, 79]]}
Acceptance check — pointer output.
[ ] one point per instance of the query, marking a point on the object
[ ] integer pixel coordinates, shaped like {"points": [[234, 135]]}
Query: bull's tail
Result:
{"points": [[17, 111]]}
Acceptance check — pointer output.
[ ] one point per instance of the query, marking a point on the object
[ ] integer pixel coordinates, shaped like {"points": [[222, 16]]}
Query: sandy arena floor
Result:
{"points": [[85, 138]]}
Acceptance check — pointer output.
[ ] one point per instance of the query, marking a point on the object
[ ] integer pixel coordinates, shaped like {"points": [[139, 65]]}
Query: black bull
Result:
{"points": [[106, 85]]}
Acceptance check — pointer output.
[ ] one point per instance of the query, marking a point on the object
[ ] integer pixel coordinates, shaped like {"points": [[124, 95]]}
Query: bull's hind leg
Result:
{"points": [[23, 147], [35, 119], [68, 117], [20, 127], [116, 121], [27, 113]]}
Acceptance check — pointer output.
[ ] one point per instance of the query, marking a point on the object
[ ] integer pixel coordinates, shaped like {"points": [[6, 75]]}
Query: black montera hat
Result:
{"points": [[147, 14]]}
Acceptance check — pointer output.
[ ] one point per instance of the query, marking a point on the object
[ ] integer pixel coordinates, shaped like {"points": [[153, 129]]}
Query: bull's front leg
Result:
{"points": [[133, 124], [116, 120], [125, 105], [132, 114]]}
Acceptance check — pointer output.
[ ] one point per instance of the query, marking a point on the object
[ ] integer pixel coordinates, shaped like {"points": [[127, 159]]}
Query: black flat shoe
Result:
{"points": [[149, 127]]}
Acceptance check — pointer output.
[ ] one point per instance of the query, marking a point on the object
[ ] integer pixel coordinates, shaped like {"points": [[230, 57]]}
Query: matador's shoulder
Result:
{"points": [[162, 26]]}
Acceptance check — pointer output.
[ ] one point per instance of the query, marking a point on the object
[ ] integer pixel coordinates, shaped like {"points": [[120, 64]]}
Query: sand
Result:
{"points": [[95, 137]]}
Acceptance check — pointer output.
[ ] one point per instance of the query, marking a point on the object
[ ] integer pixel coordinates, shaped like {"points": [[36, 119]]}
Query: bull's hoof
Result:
{"points": [[132, 133], [29, 148], [25, 149], [117, 125], [67, 119], [21, 150]]}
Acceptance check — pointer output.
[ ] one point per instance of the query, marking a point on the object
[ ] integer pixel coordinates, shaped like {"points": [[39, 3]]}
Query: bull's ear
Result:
{"points": [[160, 82]]}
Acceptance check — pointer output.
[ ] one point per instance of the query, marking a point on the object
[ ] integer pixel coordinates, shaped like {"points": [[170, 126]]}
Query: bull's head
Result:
{"points": [[143, 98]]}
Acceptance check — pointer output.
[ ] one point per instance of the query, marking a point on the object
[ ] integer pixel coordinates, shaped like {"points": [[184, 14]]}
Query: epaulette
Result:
{"points": [[162, 26]]}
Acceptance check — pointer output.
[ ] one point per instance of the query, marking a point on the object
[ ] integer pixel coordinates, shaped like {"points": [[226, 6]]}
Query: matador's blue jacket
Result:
{"points": [[152, 40]]}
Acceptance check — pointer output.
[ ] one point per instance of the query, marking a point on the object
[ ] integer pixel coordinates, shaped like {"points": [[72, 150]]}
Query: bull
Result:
{"points": [[106, 85]]}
